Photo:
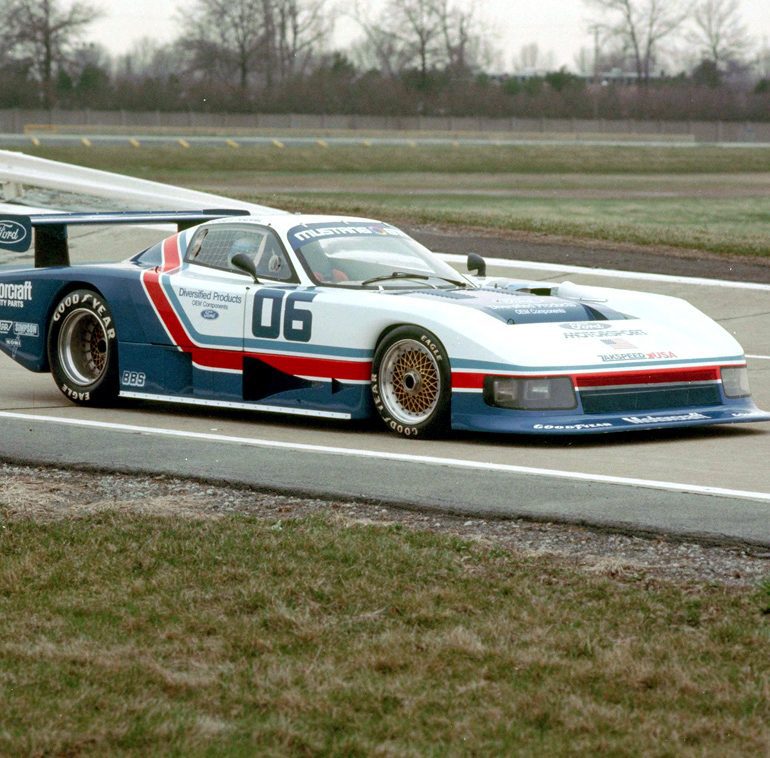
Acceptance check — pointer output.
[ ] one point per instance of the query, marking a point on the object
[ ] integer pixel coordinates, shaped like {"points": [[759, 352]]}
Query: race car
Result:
{"points": [[347, 318]]}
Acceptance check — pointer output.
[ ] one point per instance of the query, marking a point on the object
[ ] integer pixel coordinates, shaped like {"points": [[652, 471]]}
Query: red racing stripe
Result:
{"points": [[467, 381], [151, 281], [323, 368], [462, 380], [654, 376], [326, 368]]}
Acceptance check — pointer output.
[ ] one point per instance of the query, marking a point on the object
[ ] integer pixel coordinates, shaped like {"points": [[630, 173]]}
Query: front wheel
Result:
{"points": [[411, 383], [82, 348]]}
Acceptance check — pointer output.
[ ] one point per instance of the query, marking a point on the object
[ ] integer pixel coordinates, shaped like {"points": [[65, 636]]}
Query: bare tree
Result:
{"points": [[420, 27], [464, 38], [45, 33], [719, 32], [299, 33], [640, 25], [422, 34], [224, 38], [254, 41]]}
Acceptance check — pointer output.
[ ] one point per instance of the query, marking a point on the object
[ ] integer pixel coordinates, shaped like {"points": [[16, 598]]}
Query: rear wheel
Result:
{"points": [[82, 348], [411, 383]]}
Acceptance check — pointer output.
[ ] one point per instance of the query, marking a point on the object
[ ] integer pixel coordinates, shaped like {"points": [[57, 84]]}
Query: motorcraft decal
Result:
{"points": [[15, 294], [665, 419]]}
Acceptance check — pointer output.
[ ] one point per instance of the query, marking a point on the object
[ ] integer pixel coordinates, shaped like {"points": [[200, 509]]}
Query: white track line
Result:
{"points": [[400, 457], [610, 272]]}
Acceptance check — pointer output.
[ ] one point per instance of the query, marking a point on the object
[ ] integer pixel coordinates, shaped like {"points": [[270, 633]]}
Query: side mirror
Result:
{"points": [[244, 262], [476, 265]]}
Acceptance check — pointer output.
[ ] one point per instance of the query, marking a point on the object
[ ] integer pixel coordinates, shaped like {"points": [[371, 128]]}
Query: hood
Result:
{"points": [[521, 307]]}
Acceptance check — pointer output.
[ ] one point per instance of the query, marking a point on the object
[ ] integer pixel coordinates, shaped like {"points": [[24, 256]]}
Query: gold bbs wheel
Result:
{"points": [[410, 382]]}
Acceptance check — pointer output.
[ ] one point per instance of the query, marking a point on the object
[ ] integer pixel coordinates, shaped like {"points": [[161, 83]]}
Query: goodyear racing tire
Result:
{"points": [[83, 349], [411, 384]]}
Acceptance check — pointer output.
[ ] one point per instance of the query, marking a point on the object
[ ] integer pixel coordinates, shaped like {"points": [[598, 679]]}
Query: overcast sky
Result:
{"points": [[557, 26]]}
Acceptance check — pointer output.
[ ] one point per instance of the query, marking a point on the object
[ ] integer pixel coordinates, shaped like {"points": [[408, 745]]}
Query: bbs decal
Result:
{"points": [[133, 379], [277, 314]]}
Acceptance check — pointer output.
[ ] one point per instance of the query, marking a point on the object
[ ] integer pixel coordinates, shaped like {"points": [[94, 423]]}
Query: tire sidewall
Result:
{"points": [[438, 421], [104, 389]]}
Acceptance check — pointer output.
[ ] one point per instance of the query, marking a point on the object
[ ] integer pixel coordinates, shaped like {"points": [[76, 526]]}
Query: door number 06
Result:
{"points": [[275, 312]]}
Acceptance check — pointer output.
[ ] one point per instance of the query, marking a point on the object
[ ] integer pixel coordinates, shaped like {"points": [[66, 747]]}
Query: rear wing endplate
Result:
{"points": [[50, 229]]}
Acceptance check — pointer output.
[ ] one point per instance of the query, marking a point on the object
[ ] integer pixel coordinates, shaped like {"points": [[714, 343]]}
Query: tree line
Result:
{"points": [[682, 59]]}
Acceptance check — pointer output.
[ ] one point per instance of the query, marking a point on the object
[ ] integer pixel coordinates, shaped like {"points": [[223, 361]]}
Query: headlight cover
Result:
{"points": [[531, 393], [735, 381]]}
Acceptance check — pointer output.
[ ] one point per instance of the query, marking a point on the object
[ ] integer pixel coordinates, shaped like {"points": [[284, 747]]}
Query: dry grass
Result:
{"points": [[171, 161], [126, 633]]}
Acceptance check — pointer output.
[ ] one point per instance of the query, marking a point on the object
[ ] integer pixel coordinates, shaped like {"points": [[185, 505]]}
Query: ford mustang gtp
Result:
{"points": [[345, 318]]}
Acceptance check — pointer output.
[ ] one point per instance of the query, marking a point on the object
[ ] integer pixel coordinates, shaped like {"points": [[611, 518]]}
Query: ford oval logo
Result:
{"points": [[210, 314], [12, 232]]}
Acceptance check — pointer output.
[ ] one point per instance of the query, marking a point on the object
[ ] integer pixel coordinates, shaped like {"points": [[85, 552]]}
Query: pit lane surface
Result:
{"points": [[712, 483]]}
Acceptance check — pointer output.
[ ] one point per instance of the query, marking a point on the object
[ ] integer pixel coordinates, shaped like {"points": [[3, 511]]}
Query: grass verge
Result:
{"points": [[234, 635], [721, 226]]}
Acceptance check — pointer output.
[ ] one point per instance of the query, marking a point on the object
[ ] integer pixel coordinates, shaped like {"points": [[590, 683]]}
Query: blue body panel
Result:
{"points": [[471, 413]]}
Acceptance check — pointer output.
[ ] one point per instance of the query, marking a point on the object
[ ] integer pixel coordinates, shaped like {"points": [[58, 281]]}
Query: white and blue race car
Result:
{"points": [[346, 318]]}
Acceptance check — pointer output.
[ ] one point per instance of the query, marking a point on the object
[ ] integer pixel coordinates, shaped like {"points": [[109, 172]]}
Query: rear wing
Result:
{"points": [[50, 229]]}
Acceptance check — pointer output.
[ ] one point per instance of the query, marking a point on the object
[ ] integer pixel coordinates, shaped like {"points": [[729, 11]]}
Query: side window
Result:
{"points": [[216, 245]]}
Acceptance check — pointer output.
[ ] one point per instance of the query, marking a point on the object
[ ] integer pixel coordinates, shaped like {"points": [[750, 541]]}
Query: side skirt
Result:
{"points": [[234, 405]]}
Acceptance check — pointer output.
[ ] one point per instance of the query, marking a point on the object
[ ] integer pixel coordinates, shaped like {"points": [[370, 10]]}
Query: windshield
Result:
{"points": [[368, 254]]}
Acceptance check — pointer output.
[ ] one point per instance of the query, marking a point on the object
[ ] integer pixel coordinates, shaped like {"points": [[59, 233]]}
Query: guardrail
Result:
{"points": [[19, 121]]}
